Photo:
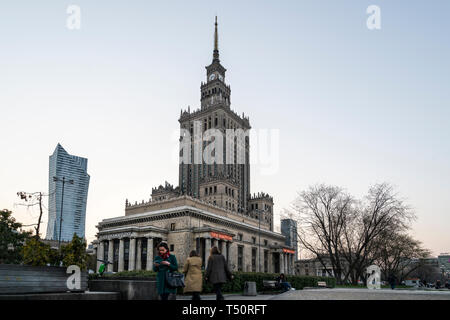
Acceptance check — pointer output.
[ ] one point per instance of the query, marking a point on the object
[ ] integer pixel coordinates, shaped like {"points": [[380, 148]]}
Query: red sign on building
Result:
{"points": [[288, 251], [221, 236]]}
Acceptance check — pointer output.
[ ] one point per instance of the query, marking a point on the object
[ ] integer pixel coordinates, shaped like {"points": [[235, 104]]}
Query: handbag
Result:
{"points": [[174, 280]]}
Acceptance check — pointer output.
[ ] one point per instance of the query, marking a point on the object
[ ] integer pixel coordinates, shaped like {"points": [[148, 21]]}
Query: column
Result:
{"points": [[100, 253], [261, 258], [220, 245], [150, 254], [232, 256], [293, 263], [225, 249], [110, 255], [247, 259], [132, 255], [270, 262], [139, 253], [288, 263], [207, 250], [121, 255], [281, 262], [288, 266]]}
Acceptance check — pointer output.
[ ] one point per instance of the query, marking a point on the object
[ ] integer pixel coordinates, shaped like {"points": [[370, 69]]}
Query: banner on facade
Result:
{"points": [[221, 236], [288, 251]]}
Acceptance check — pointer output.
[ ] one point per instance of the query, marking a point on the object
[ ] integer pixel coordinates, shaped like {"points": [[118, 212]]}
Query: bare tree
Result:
{"points": [[400, 254], [380, 213], [33, 199], [334, 226], [322, 213]]}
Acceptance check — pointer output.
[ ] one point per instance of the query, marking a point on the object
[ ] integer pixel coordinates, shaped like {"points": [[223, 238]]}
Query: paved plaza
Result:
{"points": [[340, 294]]}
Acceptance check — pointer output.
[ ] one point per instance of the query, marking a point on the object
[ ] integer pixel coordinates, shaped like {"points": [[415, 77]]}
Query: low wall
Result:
{"points": [[129, 289], [22, 279]]}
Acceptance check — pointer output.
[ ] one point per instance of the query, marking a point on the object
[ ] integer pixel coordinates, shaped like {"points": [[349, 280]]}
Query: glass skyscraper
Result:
{"points": [[63, 165]]}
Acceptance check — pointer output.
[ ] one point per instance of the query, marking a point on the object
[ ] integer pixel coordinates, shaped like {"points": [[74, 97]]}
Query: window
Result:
{"points": [[240, 236], [265, 243], [240, 258], [206, 191], [254, 240], [172, 227], [172, 247], [266, 261], [253, 259], [215, 189]]}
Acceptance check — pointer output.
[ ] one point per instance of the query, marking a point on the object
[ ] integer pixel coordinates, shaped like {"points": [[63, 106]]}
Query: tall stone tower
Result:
{"points": [[223, 183]]}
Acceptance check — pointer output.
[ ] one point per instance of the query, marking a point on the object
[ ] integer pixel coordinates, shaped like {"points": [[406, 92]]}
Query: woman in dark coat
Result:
{"points": [[217, 271], [162, 264]]}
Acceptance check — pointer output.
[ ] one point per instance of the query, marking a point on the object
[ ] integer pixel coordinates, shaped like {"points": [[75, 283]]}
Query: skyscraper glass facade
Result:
{"points": [[67, 167]]}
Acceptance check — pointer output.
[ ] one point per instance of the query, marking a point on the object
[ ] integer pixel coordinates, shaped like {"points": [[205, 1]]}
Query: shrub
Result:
{"points": [[74, 253], [37, 253], [236, 285]]}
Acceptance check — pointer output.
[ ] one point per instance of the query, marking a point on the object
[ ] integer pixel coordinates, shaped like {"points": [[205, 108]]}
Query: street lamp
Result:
{"points": [[259, 240], [259, 211], [64, 181]]}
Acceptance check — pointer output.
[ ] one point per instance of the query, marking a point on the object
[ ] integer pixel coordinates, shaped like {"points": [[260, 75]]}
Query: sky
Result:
{"points": [[352, 106]]}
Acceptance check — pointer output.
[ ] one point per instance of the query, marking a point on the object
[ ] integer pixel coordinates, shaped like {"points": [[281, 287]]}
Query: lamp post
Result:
{"points": [[64, 181], [259, 240], [259, 211]]}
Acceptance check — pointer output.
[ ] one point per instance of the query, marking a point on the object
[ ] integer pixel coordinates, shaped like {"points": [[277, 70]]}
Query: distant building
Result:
{"points": [[444, 262], [313, 267], [289, 230], [63, 165]]}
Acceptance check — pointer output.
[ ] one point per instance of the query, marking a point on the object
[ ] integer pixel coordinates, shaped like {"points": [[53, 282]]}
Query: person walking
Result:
{"points": [[217, 272], [193, 270], [392, 279], [163, 263]]}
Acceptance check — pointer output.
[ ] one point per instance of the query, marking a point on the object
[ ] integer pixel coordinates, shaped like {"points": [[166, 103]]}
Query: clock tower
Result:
{"points": [[224, 183], [215, 91]]}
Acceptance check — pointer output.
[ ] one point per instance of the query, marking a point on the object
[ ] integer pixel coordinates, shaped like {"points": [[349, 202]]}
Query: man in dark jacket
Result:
{"points": [[392, 279], [217, 271]]}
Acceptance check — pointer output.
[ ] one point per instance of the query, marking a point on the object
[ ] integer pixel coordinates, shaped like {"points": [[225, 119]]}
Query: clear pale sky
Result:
{"points": [[353, 106]]}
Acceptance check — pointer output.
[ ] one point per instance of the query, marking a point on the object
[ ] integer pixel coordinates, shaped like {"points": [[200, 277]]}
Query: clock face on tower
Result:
{"points": [[220, 77], [212, 77]]}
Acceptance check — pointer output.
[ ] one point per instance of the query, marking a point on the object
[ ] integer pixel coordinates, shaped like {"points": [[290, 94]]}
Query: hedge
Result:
{"points": [[236, 285]]}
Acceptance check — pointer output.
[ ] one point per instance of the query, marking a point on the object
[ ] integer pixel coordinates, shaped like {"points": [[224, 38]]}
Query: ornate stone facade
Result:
{"points": [[211, 206]]}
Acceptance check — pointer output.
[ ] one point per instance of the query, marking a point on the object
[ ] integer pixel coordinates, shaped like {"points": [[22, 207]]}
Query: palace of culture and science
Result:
{"points": [[211, 206]]}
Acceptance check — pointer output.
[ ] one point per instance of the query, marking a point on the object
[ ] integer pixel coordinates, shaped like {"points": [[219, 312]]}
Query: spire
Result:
{"points": [[216, 44]]}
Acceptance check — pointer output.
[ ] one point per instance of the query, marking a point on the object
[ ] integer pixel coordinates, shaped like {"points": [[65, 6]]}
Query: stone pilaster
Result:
{"points": [[270, 263], [111, 255], [149, 254], [100, 253], [207, 250], [121, 255], [132, 255], [232, 256], [225, 249], [138, 254]]}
